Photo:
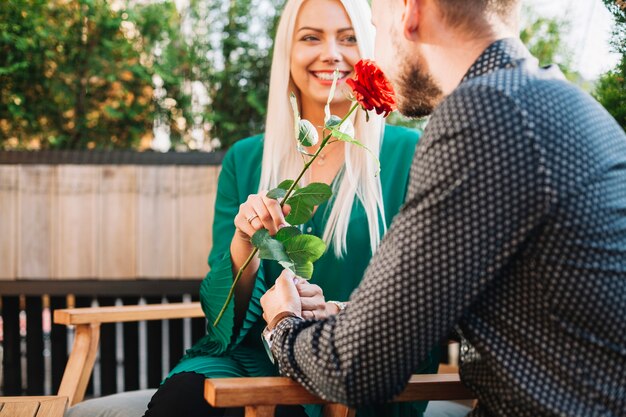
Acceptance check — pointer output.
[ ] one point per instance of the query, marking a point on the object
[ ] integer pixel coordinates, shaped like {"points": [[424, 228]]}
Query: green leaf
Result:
{"points": [[288, 265], [276, 193], [314, 193], [304, 200], [332, 122], [291, 249], [300, 212], [304, 248], [303, 270], [287, 233], [344, 137], [307, 134], [280, 191], [285, 184], [269, 248]]}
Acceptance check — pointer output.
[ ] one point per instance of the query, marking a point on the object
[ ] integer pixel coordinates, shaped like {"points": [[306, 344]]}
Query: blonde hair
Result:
{"points": [[280, 156]]}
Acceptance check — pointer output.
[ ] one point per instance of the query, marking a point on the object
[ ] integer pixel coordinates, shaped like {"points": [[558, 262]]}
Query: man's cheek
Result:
{"points": [[382, 53]]}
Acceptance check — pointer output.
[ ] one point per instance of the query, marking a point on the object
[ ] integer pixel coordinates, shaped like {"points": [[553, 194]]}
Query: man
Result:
{"points": [[513, 234]]}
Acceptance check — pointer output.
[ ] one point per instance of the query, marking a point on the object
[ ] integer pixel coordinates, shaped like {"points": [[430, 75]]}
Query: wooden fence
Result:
{"points": [[103, 228], [105, 221]]}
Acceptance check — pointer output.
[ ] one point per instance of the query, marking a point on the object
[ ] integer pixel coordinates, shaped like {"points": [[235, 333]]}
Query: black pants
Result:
{"points": [[182, 395]]}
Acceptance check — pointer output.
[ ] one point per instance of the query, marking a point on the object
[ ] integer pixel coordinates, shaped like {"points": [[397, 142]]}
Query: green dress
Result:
{"points": [[226, 352]]}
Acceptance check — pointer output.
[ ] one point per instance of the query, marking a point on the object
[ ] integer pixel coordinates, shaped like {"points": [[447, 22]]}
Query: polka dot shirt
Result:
{"points": [[514, 236]]}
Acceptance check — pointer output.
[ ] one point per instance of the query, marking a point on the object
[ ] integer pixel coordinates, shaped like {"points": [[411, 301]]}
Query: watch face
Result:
{"points": [[266, 337]]}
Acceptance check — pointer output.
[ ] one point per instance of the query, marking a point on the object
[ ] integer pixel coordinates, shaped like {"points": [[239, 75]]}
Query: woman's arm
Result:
{"points": [[231, 244], [258, 212]]}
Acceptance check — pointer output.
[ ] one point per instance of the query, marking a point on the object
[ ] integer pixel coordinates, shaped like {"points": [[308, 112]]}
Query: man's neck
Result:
{"points": [[455, 52]]}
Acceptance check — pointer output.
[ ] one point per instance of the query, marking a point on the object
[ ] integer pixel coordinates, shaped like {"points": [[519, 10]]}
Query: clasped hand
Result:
{"points": [[298, 296]]}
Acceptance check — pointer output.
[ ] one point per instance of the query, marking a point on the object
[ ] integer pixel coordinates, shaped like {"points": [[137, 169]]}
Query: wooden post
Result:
{"points": [[260, 411], [80, 362]]}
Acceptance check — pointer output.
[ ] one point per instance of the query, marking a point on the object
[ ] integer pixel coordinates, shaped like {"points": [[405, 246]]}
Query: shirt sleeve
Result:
{"points": [[473, 202], [216, 285]]}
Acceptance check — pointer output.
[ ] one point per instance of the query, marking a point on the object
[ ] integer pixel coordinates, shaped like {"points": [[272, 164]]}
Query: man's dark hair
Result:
{"points": [[470, 13]]}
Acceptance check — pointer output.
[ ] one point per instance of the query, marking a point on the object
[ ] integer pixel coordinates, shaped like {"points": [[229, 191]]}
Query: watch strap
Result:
{"points": [[278, 317]]}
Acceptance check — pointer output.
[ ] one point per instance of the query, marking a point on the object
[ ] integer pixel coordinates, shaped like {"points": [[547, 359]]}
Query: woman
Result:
{"points": [[314, 38]]}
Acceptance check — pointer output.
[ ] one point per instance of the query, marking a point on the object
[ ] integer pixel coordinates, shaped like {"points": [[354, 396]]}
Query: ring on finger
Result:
{"points": [[249, 219]]}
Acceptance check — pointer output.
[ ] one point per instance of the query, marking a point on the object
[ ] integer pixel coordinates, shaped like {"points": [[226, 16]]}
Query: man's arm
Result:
{"points": [[476, 194]]}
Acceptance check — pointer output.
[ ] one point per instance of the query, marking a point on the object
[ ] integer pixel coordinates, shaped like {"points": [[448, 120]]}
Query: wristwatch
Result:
{"points": [[268, 338]]}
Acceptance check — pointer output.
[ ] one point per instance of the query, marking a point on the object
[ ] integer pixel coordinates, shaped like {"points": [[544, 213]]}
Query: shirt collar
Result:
{"points": [[503, 53]]}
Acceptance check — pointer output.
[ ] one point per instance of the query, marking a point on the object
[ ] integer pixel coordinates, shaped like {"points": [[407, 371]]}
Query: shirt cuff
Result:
{"points": [[281, 331]]}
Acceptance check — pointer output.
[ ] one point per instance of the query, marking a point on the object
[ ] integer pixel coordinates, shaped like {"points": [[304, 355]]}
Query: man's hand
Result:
{"points": [[282, 298], [313, 303]]}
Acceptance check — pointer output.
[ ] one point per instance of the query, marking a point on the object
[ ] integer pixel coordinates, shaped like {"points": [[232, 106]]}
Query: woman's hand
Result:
{"points": [[281, 298], [314, 305], [259, 212]]}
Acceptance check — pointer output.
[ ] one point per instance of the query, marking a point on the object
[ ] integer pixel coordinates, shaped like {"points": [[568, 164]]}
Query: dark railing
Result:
{"points": [[132, 355]]}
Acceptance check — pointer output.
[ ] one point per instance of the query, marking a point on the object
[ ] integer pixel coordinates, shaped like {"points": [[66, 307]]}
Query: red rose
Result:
{"points": [[371, 88]]}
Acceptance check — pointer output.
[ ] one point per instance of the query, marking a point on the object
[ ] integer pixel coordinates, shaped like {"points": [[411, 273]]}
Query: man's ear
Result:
{"points": [[410, 18]]}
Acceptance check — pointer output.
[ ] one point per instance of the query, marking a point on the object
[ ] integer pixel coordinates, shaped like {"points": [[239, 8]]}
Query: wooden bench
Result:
{"points": [[258, 395], [49, 406]]}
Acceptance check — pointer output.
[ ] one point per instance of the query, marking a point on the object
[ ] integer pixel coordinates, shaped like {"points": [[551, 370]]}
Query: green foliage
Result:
{"points": [[611, 93], [304, 200], [307, 133], [70, 76], [292, 249], [544, 38], [270, 248], [618, 10], [611, 87], [303, 250], [287, 233], [281, 190], [79, 74], [239, 85]]}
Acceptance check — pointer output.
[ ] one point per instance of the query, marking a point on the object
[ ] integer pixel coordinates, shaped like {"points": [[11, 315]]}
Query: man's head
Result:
{"points": [[426, 46]]}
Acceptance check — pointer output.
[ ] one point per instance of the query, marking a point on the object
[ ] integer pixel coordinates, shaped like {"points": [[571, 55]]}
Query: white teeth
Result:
{"points": [[328, 76]]}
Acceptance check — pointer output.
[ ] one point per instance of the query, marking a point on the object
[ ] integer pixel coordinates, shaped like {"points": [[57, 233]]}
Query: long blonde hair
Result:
{"points": [[280, 156]]}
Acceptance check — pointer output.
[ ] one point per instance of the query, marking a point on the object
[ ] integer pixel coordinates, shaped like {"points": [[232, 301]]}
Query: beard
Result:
{"points": [[417, 93]]}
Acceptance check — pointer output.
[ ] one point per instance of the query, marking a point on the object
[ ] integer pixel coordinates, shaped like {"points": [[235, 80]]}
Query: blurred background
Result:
{"points": [[193, 75]]}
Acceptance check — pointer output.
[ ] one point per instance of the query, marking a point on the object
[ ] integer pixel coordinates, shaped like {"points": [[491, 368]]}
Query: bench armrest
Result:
{"points": [[239, 392], [87, 336], [116, 314]]}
